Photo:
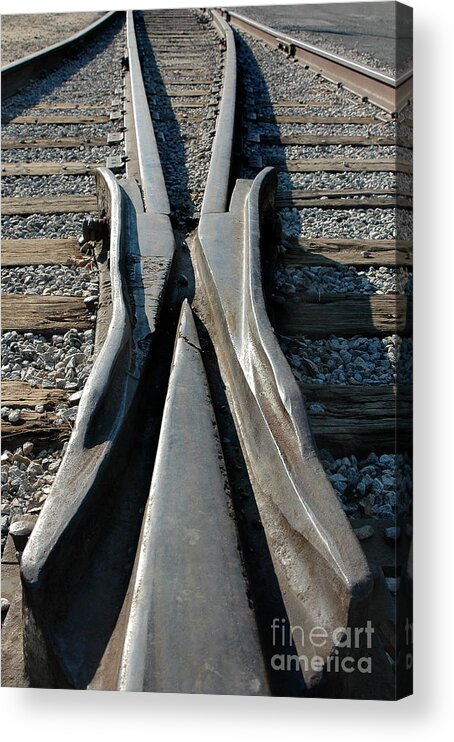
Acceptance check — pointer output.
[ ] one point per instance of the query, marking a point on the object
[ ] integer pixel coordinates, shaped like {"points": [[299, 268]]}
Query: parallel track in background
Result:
{"points": [[347, 314], [389, 93]]}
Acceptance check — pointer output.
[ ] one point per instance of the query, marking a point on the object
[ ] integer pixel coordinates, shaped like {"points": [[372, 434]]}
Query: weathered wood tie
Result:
{"points": [[48, 143], [336, 165], [48, 204], [40, 252], [356, 252], [334, 314], [21, 394], [45, 314], [356, 419], [58, 118], [286, 118], [50, 168], [316, 140], [36, 426], [323, 202]]}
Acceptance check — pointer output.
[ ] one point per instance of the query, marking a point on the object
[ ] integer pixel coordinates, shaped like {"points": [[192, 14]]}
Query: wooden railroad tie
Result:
{"points": [[45, 314], [334, 314], [361, 253], [40, 252]]}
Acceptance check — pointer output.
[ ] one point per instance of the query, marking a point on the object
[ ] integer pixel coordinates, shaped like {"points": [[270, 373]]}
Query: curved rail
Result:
{"points": [[19, 73], [116, 350], [70, 549], [320, 566], [321, 569], [389, 93], [81, 481]]}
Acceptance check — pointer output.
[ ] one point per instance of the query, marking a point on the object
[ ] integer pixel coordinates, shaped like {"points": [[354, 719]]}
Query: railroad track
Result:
{"points": [[197, 486]]}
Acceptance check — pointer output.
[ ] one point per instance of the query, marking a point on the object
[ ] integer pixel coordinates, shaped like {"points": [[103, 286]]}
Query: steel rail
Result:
{"points": [[70, 548], [92, 449], [218, 181], [151, 175], [202, 564], [97, 455], [320, 566], [389, 93], [196, 578], [19, 73], [321, 569]]}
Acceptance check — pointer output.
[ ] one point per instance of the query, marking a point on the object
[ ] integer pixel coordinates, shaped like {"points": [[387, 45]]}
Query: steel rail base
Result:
{"points": [[321, 569]]}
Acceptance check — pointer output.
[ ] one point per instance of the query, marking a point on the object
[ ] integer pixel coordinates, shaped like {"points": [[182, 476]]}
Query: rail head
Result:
{"points": [[153, 185], [16, 74], [216, 197]]}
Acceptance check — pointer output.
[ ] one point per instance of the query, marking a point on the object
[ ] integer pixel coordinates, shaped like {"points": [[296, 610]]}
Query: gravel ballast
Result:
{"points": [[359, 360], [357, 223], [377, 486], [39, 226], [61, 361], [97, 155], [334, 181], [57, 131], [49, 185], [50, 279], [341, 279], [27, 476]]}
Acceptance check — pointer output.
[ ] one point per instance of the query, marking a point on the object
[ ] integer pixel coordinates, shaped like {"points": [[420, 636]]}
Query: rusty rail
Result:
{"points": [[382, 90]]}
